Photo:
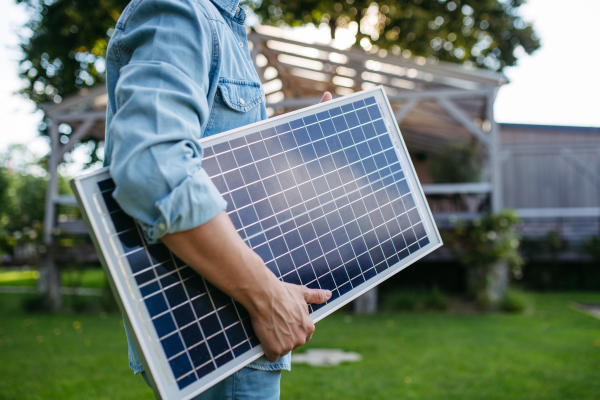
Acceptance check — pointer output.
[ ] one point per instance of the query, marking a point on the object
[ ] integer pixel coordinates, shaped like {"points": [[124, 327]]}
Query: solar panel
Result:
{"points": [[327, 196]]}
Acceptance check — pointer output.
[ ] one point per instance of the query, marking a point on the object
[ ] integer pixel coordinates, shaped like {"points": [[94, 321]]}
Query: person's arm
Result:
{"points": [[278, 310]]}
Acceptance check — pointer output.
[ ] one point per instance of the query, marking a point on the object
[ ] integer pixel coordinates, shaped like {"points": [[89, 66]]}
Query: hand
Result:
{"points": [[282, 323], [326, 97], [278, 310]]}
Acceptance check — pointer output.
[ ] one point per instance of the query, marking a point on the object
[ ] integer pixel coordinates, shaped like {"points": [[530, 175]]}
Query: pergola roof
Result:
{"points": [[433, 103]]}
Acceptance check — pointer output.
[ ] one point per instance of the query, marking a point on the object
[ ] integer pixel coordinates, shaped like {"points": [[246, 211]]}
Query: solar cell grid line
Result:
{"points": [[327, 196]]}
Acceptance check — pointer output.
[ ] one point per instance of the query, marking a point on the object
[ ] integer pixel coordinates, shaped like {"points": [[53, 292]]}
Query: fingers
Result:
{"points": [[326, 97], [316, 296]]}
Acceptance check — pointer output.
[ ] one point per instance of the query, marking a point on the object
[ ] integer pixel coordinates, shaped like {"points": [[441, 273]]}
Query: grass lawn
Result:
{"points": [[552, 352]]}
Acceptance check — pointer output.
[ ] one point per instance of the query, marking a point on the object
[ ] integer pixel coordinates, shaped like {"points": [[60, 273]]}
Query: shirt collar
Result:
{"points": [[229, 6]]}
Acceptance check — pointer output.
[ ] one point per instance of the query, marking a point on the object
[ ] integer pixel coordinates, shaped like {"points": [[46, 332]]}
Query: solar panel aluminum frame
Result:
{"points": [[128, 297]]}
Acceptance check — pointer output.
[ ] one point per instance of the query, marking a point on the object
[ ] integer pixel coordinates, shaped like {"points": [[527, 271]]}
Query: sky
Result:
{"points": [[557, 85]]}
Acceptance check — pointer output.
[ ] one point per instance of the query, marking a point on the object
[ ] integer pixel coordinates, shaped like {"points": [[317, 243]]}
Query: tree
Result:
{"points": [[482, 33]]}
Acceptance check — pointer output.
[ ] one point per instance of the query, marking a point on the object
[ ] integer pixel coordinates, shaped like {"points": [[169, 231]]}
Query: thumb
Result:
{"points": [[316, 296], [326, 97]]}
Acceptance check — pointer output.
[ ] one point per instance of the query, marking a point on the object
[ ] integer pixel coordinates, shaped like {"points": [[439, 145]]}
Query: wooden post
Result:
{"points": [[367, 303], [48, 284], [494, 151]]}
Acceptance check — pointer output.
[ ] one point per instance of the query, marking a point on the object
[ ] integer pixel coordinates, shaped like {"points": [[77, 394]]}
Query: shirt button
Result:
{"points": [[242, 102], [237, 10], [162, 226], [241, 44]]}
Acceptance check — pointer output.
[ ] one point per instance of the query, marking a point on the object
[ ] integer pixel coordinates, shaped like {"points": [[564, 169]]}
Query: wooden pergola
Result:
{"points": [[433, 103]]}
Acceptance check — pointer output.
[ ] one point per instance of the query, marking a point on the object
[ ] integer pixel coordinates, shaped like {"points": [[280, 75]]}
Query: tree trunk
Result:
{"points": [[488, 284], [367, 303], [49, 284]]}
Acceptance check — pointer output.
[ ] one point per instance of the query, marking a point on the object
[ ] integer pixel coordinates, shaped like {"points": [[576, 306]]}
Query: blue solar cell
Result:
{"points": [[180, 365], [211, 166], [176, 295], [184, 315], [302, 137], [323, 115], [249, 174], [369, 131], [138, 260], [327, 127], [292, 278], [273, 146], [210, 325], [285, 264], [308, 153], [186, 381], [363, 115], [258, 150], [226, 161], [408, 201], [283, 128], [347, 107], [221, 147], [248, 216], [243, 156], [106, 185], [191, 335], [253, 137], [340, 124], [144, 277], [218, 344], [335, 111], [267, 133], [314, 132], [294, 157], [236, 334], [238, 142], [310, 119], [200, 354], [297, 123], [374, 112], [358, 104], [164, 325], [352, 119], [379, 127], [287, 141], [334, 143]]}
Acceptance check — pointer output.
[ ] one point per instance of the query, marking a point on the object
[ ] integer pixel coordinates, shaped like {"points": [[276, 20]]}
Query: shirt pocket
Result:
{"points": [[237, 103]]}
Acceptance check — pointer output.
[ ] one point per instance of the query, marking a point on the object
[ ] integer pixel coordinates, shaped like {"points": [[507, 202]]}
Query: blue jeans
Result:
{"points": [[246, 384]]}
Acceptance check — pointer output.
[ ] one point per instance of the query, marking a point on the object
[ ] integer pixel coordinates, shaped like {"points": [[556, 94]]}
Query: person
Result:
{"points": [[177, 71]]}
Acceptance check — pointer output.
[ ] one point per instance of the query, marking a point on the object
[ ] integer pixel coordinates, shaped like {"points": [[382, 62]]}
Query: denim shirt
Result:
{"points": [[177, 71]]}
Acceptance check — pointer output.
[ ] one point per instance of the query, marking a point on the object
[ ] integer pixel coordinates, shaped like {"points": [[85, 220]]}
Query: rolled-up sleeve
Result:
{"points": [[159, 112]]}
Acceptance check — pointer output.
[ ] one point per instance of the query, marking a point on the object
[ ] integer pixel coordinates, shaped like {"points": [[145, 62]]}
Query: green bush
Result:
{"points": [[514, 302], [415, 300], [455, 163], [436, 301]]}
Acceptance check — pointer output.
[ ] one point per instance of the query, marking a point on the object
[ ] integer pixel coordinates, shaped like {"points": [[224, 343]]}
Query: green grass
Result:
{"points": [[551, 352], [91, 278]]}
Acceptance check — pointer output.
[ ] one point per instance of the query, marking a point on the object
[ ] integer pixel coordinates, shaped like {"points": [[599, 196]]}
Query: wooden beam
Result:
{"points": [[580, 166], [464, 119], [52, 187], [407, 107], [74, 137], [443, 69], [453, 188], [560, 212]]}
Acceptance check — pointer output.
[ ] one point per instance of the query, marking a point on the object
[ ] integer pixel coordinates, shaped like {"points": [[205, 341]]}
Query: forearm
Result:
{"points": [[218, 253]]}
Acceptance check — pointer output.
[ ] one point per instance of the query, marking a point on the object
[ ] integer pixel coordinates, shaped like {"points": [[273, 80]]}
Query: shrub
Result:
{"points": [[436, 301], [514, 302]]}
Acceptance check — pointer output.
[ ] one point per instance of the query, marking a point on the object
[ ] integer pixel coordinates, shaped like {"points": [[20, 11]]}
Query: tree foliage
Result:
{"points": [[455, 163], [22, 199], [67, 46], [482, 33]]}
